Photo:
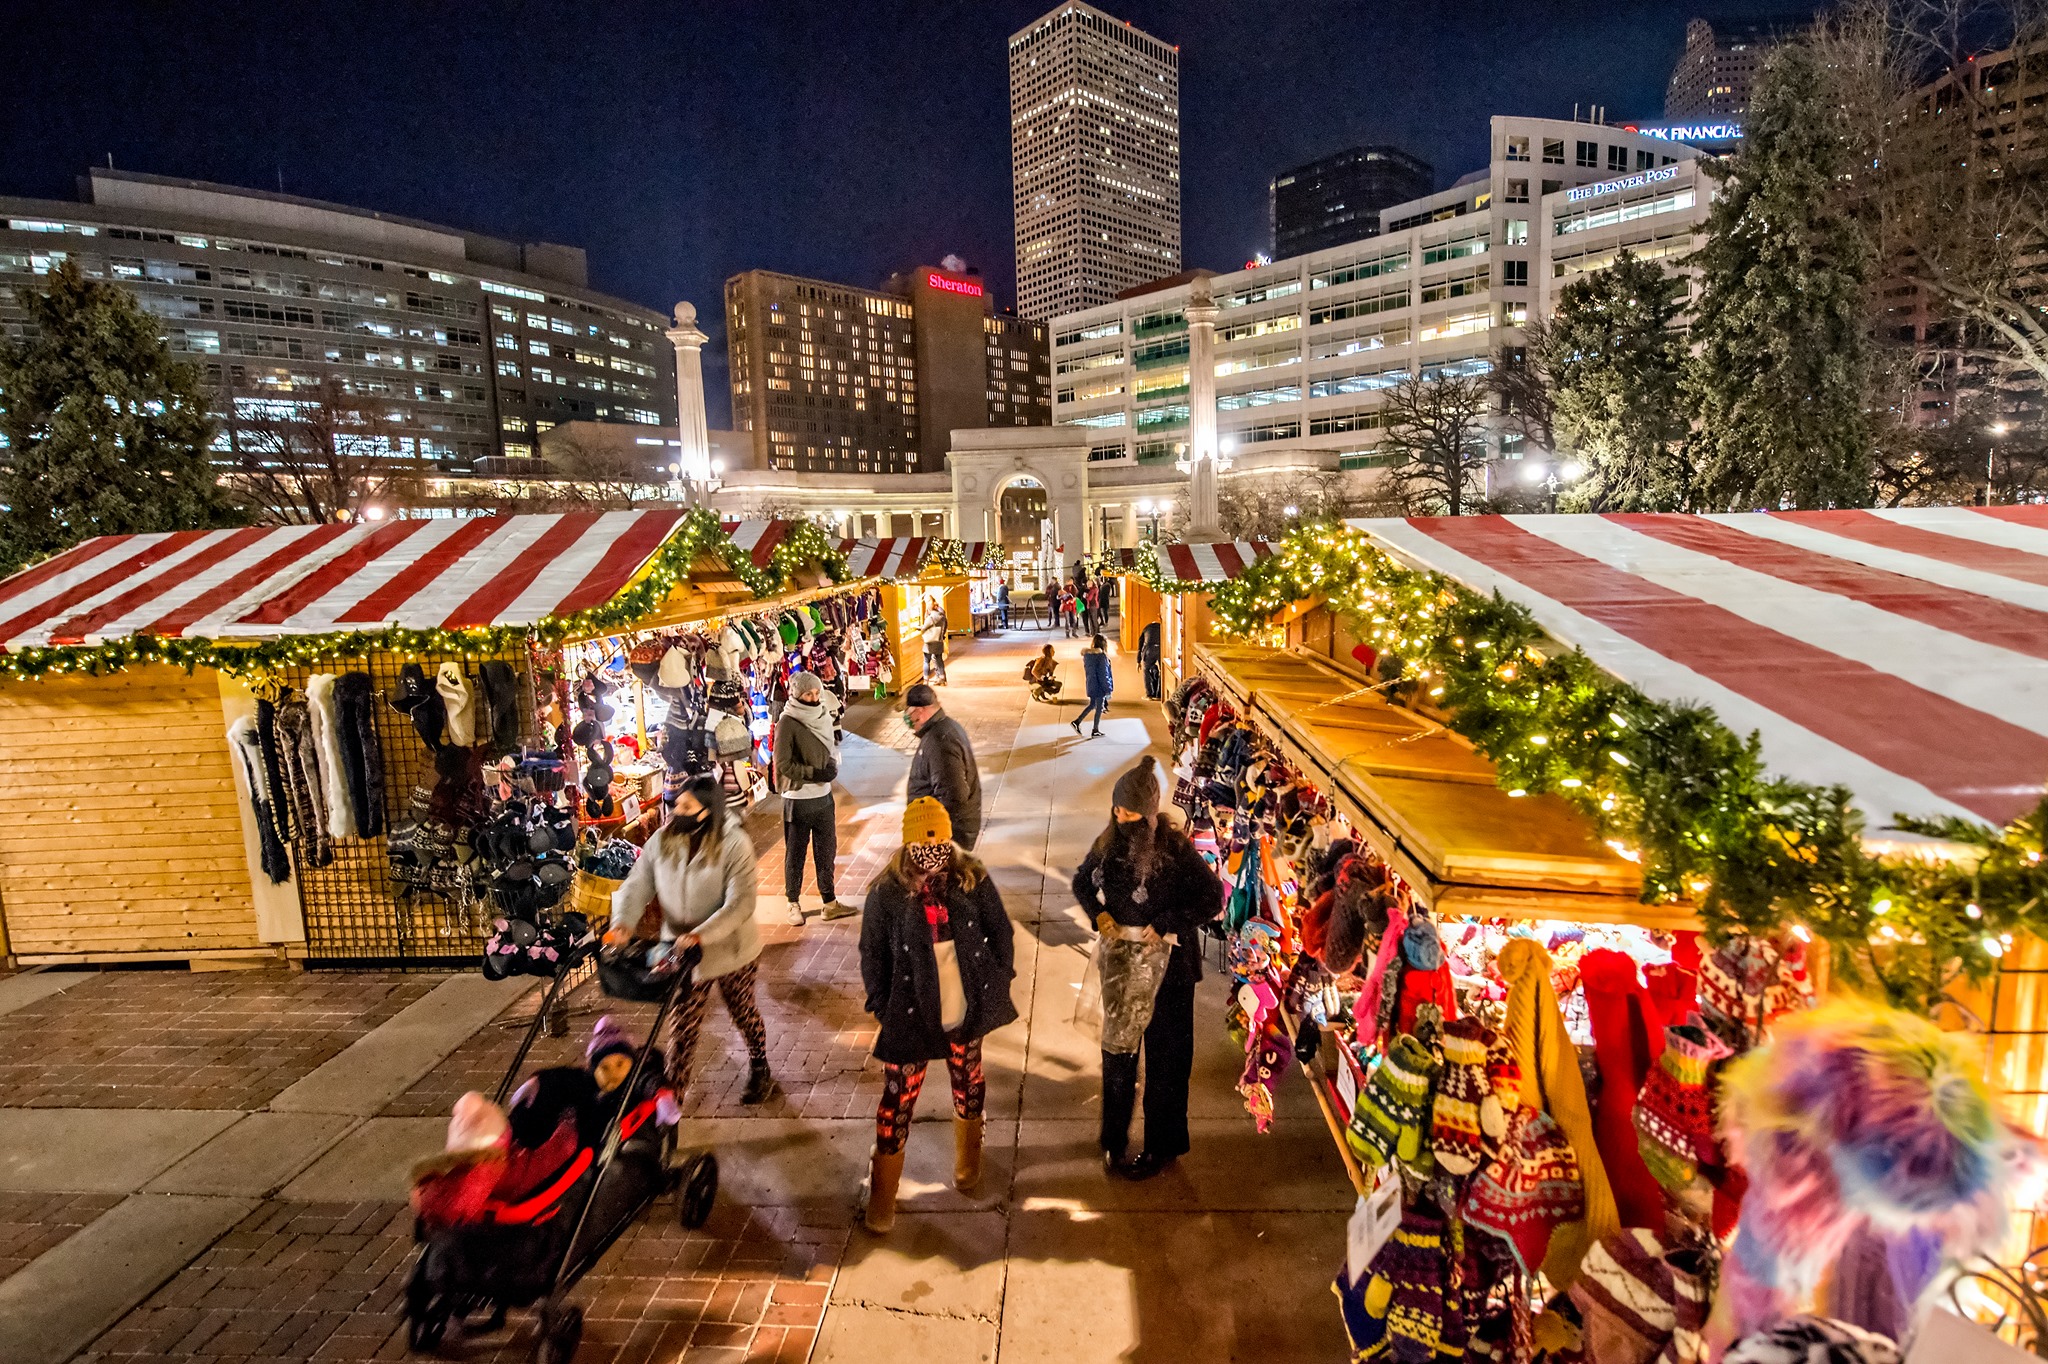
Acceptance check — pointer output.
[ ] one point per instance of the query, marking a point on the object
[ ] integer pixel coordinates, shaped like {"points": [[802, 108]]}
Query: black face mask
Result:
{"points": [[690, 825]]}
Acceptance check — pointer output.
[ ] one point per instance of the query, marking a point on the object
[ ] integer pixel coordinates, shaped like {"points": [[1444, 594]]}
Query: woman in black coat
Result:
{"points": [[1144, 875], [936, 957]]}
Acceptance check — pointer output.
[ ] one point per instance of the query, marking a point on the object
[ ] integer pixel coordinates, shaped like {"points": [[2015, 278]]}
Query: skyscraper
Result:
{"points": [[1338, 198], [1095, 159], [1720, 63]]}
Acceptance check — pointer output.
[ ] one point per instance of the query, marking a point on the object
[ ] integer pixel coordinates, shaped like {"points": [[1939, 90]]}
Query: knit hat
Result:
{"points": [[674, 669], [1412, 1261], [1138, 789], [1387, 1124], [1529, 1190], [805, 683], [608, 1038], [1425, 978], [926, 821], [1455, 1135], [477, 1124], [919, 694], [1619, 1010], [1633, 1298], [1812, 1340], [1675, 1112], [1733, 979]]}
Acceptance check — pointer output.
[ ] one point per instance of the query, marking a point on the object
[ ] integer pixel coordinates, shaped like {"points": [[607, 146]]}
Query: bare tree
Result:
{"points": [[1955, 190], [1265, 507], [1524, 388], [302, 460], [590, 474], [1435, 441]]}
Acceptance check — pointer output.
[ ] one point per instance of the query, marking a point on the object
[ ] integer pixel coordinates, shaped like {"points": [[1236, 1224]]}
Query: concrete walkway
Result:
{"points": [[214, 1167]]}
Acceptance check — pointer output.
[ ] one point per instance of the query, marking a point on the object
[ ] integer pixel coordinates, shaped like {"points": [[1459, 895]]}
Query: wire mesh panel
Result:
{"points": [[356, 913]]}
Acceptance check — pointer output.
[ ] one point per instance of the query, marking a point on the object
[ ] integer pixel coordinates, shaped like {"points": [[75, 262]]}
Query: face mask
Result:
{"points": [[931, 856], [690, 824]]}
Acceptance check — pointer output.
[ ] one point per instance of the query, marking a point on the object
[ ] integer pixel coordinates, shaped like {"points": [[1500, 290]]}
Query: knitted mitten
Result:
{"points": [[1455, 1135], [1387, 1124], [1675, 1114]]}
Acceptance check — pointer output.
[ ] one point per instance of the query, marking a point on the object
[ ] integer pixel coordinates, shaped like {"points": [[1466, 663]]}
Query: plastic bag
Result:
{"points": [[1088, 1000]]}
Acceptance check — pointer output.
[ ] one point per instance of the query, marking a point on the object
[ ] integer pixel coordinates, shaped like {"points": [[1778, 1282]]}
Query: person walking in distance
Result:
{"points": [[806, 764], [943, 767], [1149, 892], [1003, 602], [1100, 681], [935, 643], [694, 887], [1083, 606], [936, 958]]}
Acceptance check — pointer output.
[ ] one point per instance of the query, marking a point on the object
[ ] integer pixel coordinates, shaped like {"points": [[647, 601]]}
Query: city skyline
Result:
{"points": [[680, 152]]}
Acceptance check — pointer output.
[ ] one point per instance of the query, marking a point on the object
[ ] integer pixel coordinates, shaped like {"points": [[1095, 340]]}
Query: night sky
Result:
{"points": [[681, 143]]}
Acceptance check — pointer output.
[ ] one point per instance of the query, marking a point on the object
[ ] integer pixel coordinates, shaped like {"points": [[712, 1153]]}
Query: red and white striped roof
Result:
{"points": [[759, 538], [1212, 563], [892, 557], [1903, 654], [984, 553], [272, 581]]}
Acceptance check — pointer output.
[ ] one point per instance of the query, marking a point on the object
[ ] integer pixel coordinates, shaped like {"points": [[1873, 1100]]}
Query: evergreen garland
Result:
{"points": [[1668, 786], [699, 534]]}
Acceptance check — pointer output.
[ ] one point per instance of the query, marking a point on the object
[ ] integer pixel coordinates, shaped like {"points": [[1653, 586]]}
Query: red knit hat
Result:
{"points": [[1530, 1189], [1618, 1008]]}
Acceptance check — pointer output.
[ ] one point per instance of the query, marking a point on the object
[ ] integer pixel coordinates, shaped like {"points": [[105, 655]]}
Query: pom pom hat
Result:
{"points": [[926, 821]]}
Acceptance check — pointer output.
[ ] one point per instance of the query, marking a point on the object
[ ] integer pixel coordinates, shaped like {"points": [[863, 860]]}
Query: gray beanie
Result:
{"points": [[805, 684], [1138, 789]]}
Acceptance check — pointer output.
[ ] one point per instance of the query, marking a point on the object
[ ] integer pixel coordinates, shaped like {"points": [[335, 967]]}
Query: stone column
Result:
{"points": [[1204, 523], [693, 448]]}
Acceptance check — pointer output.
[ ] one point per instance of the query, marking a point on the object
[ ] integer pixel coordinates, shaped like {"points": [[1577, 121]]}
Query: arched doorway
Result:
{"points": [[1021, 512]]}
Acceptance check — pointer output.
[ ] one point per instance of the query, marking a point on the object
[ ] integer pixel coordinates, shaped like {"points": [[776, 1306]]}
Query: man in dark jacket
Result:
{"points": [[944, 767]]}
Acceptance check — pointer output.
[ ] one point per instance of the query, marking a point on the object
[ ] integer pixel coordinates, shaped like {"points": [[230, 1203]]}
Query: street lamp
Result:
{"points": [[1150, 511], [1997, 429]]}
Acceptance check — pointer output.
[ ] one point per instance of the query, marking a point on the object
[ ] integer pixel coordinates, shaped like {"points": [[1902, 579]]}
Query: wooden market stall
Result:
{"points": [[1902, 654], [127, 827], [1184, 618]]}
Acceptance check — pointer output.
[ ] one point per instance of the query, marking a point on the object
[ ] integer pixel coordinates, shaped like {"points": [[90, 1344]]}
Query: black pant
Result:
{"points": [[808, 824], [1169, 1050]]}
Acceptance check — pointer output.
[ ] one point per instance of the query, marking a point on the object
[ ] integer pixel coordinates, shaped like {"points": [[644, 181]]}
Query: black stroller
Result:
{"points": [[534, 1249]]}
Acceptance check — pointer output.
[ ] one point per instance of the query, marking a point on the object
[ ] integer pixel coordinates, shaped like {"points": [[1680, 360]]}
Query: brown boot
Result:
{"points": [[884, 1174], [967, 1154]]}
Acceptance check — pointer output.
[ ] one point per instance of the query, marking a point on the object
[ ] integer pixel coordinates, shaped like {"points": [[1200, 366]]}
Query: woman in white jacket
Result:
{"points": [[694, 886]]}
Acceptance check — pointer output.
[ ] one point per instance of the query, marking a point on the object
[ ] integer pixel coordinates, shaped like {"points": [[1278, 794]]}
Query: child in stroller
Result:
{"points": [[498, 1209]]}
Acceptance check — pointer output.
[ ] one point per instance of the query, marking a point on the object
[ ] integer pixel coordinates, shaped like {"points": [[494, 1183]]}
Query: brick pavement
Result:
{"points": [[31, 1223], [172, 1039]]}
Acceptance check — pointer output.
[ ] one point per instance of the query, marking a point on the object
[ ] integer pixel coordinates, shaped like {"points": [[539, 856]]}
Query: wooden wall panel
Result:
{"points": [[119, 828]]}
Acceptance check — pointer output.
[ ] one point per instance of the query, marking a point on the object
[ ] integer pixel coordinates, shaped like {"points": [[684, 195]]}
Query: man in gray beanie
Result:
{"points": [[806, 762]]}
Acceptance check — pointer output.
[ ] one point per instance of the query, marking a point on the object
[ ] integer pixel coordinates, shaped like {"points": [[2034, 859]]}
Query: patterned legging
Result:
{"points": [[680, 1045], [902, 1084]]}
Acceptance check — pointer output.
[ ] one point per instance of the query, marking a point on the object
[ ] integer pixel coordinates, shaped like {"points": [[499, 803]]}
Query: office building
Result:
{"points": [[1719, 65], [470, 346], [1095, 159], [1306, 346], [1338, 198], [835, 378]]}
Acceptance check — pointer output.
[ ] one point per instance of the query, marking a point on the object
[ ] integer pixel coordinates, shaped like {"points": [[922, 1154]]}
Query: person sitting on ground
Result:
{"points": [[1041, 670]]}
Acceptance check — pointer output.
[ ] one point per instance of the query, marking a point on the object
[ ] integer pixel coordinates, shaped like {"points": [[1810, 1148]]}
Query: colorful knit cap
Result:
{"points": [[1812, 1340], [1791, 989], [1733, 980], [1388, 1121], [1413, 1262], [1265, 1065], [1504, 1082], [1632, 1298], [1425, 975], [1456, 1133], [1530, 1190], [1675, 1112]]}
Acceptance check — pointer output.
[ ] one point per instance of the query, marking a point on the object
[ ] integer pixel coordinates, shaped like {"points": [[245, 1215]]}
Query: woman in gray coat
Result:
{"points": [[694, 887]]}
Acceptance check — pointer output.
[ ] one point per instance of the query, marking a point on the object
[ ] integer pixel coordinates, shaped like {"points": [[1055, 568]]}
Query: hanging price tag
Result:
{"points": [[1347, 1084], [1372, 1222]]}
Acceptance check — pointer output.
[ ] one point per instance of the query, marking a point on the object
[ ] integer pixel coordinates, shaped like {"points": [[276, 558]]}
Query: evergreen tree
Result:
{"points": [[106, 431], [1614, 353], [1776, 382]]}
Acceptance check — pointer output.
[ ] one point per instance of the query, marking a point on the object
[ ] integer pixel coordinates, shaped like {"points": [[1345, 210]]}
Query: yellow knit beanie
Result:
{"points": [[926, 821], [1551, 1081]]}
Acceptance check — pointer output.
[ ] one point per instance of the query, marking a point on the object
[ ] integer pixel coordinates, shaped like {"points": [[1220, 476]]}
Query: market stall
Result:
{"points": [[1470, 866], [1168, 584], [311, 721]]}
